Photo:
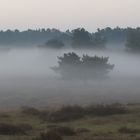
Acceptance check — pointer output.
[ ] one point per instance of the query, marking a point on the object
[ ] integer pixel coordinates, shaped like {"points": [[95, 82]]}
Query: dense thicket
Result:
{"points": [[72, 66]]}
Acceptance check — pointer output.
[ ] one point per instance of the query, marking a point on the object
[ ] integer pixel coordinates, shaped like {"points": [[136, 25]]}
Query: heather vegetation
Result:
{"points": [[94, 122]]}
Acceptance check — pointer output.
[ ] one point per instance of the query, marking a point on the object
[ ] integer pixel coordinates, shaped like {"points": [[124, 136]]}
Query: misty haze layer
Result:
{"points": [[64, 14], [26, 78]]}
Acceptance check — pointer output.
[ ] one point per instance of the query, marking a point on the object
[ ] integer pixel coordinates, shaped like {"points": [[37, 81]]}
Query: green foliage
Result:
{"points": [[72, 66], [133, 39]]}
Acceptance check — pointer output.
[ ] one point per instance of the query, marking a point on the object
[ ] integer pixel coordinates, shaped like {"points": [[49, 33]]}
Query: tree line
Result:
{"points": [[77, 38]]}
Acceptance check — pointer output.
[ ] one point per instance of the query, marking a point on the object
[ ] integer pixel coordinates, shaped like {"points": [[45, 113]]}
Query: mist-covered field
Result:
{"points": [[26, 79]]}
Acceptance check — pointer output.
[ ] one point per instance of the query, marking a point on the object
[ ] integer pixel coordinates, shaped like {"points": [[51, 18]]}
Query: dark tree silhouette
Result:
{"points": [[78, 38], [54, 43], [72, 66], [98, 40], [81, 37], [133, 40], [113, 36]]}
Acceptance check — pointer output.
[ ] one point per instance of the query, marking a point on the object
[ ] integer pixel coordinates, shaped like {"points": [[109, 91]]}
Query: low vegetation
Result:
{"points": [[63, 130], [50, 135], [94, 122], [14, 129], [128, 130], [70, 113]]}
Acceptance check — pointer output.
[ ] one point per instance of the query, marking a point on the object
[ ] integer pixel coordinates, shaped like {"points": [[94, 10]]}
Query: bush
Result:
{"points": [[104, 110], [69, 113], [42, 114], [11, 129], [30, 111], [72, 66], [125, 129], [66, 113]]}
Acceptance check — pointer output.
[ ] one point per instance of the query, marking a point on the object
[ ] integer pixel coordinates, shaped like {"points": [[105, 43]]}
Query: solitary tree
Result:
{"points": [[72, 66]]}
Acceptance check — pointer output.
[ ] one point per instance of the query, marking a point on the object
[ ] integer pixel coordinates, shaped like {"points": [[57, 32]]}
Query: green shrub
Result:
{"points": [[66, 113]]}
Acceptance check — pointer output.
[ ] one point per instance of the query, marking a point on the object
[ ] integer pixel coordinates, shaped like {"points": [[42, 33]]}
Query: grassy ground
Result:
{"points": [[100, 127]]}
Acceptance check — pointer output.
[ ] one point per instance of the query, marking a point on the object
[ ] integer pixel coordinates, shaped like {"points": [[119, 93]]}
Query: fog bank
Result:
{"points": [[26, 79]]}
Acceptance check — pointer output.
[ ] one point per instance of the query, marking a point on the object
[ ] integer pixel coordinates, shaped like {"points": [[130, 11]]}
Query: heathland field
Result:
{"points": [[94, 122]]}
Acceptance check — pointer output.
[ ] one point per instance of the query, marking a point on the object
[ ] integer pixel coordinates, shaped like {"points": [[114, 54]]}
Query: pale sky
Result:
{"points": [[63, 14]]}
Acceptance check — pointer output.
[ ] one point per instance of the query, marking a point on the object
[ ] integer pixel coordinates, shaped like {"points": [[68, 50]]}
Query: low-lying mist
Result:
{"points": [[26, 78]]}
